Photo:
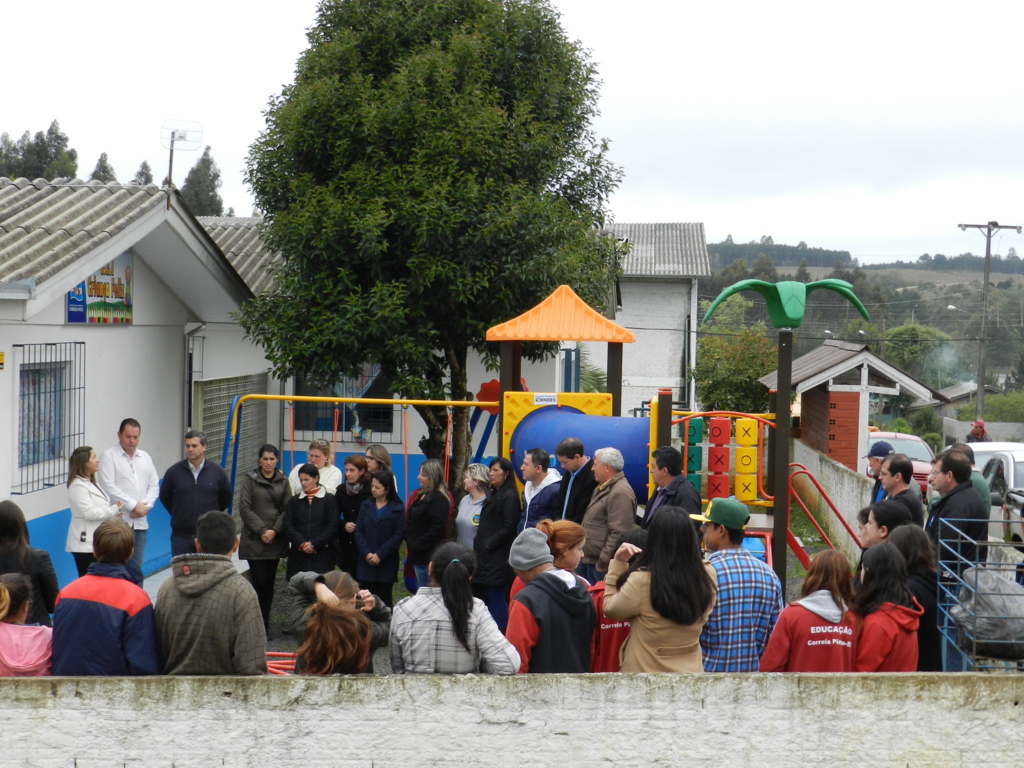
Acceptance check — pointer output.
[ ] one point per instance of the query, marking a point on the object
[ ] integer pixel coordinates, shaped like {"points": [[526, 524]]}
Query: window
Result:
{"points": [[356, 423], [51, 412]]}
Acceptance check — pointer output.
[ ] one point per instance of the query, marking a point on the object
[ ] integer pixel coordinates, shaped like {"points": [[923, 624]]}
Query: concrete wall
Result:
{"points": [[848, 490], [954, 431], [631, 720]]}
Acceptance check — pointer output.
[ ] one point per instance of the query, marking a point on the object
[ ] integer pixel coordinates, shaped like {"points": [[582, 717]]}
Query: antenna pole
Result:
{"points": [[170, 170]]}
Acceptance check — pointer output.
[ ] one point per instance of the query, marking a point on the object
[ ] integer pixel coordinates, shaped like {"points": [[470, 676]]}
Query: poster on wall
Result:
{"points": [[105, 296]]}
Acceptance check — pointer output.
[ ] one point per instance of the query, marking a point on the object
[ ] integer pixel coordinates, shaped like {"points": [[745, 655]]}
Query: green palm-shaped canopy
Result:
{"points": [[786, 300]]}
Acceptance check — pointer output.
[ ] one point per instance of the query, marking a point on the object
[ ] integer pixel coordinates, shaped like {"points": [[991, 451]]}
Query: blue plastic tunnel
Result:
{"points": [[546, 427]]}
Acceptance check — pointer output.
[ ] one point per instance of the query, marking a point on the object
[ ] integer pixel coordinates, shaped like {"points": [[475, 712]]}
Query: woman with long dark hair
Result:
{"points": [[499, 520], [890, 614], [16, 556], [667, 594], [379, 533], [350, 497], [25, 650], [90, 506], [443, 629], [428, 512], [823, 612], [264, 494], [311, 525], [923, 584]]}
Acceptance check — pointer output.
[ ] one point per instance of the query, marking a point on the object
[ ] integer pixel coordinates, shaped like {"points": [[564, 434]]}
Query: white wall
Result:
{"points": [[848, 490], [656, 311], [743, 721], [130, 370]]}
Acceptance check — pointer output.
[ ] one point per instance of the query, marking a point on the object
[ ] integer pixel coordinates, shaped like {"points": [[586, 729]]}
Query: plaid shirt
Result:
{"points": [[748, 605], [422, 639]]}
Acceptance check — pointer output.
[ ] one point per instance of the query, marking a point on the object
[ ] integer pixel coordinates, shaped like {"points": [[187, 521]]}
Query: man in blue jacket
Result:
{"points": [[190, 489], [103, 623]]}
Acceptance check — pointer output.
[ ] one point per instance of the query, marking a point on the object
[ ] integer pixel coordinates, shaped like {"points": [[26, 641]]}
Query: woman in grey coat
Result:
{"points": [[265, 491]]}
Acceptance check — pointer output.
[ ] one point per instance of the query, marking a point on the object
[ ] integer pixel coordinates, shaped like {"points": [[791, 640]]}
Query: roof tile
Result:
{"points": [[664, 250]]}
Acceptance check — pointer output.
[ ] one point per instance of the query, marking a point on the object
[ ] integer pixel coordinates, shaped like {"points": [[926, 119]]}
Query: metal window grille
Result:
{"points": [[356, 423], [212, 407], [51, 412]]}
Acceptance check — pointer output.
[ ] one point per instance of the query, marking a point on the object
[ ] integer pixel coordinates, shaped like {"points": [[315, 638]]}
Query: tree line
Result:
{"points": [[49, 155], [722, 254]]}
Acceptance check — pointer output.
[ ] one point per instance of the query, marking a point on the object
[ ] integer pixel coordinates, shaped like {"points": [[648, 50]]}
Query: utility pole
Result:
{"points": [[988, 229]]}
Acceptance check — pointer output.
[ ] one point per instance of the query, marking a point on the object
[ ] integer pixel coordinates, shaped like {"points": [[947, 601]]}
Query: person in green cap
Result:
{"points": [[749, 593]]}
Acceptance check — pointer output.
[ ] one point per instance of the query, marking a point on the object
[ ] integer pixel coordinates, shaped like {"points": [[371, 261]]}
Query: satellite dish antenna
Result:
{"points": [[179, 134]]}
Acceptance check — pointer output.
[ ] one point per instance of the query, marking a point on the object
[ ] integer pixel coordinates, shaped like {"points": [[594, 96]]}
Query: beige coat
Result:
{"points": [[610, 514], [655, 644]]}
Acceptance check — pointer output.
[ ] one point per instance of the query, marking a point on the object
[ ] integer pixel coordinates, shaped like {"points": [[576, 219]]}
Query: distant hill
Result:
{"points": [[1010, 264], [725, 253]]}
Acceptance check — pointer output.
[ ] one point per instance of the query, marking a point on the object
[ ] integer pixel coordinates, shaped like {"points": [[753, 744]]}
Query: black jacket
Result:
{"points": [[911, 499], [582, 489], [678, 493], [924, 586], [499, 519], [348, 511], [967, 518], [565, 622], [428, 521], [39, 569], [315, 522], [187, 499]]}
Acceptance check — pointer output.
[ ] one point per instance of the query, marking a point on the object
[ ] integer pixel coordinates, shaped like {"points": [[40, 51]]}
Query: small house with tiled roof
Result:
{"points": [[658, 302], [115, 302], [837, 383]]}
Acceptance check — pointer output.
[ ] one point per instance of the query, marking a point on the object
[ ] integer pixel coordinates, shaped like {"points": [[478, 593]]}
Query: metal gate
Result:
{"points": [[212, 400]]}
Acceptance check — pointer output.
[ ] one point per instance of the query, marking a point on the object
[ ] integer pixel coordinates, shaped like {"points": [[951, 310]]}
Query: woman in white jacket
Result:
{"points": [[90, 506]]}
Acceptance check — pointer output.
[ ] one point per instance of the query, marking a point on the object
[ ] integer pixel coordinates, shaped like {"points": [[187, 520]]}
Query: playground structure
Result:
{"points": [[730, 461]]}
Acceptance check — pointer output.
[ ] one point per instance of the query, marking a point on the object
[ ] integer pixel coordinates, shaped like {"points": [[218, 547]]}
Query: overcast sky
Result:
{"points": [[874, 128]]}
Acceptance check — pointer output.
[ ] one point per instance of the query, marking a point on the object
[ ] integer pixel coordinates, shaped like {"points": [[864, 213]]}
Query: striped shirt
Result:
{"points": [[748, 605]]}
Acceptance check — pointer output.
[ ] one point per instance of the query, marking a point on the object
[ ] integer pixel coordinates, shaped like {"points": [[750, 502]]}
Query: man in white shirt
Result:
{"points": [[127, 475]]}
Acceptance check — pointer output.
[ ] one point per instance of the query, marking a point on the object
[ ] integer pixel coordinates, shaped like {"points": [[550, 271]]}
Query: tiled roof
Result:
{"points": [[240, 239], [830, 353], [664, 250], [46, 226], [562, 316]]}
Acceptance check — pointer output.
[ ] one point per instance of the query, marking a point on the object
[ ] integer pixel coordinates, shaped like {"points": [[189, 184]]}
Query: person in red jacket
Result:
{"points": [[818, 632], [610, 634], [888, 638]]}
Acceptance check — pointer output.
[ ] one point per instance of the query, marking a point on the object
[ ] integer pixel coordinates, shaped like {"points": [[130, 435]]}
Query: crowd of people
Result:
{"points": [[570, 575]]}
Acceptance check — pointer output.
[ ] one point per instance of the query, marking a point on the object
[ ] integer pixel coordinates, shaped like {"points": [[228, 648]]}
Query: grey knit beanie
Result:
{"points": [[529, 550]]}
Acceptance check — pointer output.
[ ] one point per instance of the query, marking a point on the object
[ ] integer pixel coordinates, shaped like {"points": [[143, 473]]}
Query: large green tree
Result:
{"points": [[200, 188], [432, 171], [144, 175]]}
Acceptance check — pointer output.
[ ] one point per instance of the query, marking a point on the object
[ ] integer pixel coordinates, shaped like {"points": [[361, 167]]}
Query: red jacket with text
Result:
{"points": [[812, 635], [888, 639]]}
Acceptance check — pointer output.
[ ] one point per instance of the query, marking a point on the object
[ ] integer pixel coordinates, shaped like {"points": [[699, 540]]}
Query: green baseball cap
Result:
{"points": [[728, 512]]}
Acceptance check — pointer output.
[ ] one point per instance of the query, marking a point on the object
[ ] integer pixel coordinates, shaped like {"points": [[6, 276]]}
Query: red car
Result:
{"points": [[914, 448]]}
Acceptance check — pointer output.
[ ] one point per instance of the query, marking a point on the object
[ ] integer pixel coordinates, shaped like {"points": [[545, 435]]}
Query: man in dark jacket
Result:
{"points": [[959, 519], [578, 482], [551, 620], [192, 488], [672, 488], [103, 622], [897, 478]]}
